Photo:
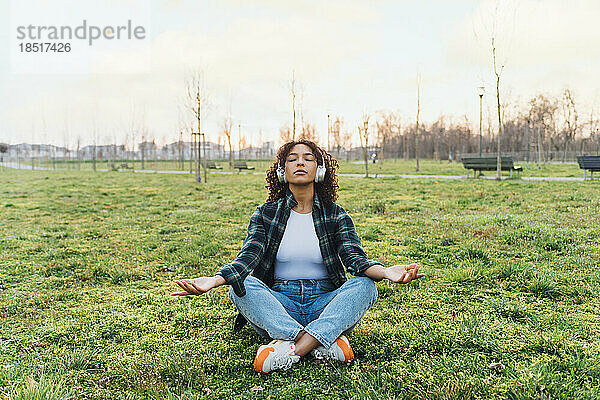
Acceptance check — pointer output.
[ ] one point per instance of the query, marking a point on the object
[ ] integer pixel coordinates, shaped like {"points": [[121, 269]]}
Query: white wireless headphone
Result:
{"points": [[319, 176]]}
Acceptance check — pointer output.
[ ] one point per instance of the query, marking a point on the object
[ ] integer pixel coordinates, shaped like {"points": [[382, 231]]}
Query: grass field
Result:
{"points": [[392, 166], [87, 262]]}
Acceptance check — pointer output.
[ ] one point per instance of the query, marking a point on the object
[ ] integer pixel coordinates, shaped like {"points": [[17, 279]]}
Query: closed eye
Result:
{"points": [[307, 158]]}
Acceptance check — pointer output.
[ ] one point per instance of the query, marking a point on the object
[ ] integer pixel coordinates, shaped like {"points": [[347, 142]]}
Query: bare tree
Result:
{"points": [[3, 150], [226, 129], [242, 142], [260, 143], [177, 150], [94, 147], [197, 101], [503, 19], [293, 94], [309, 132], [439, 129], [341, 139], [363, 133], [406, 144], [244, 145], [66, 152], [541, 117], [285, 134], [79, 153], [31, 148], [154, 151], [497, 73], [193, 149], [143, 148], [417, 124], [137, 128], [239, 141], [385, 130], [337, 138], [570, 117], [594, 127], [184, 126]]}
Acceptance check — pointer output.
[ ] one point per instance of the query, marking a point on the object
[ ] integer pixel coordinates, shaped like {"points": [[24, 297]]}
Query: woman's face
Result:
{"points": [[301, 165]]}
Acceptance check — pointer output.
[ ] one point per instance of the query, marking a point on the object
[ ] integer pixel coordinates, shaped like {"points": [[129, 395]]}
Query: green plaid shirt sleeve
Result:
{"points": [[349, 248], [248, 257]]}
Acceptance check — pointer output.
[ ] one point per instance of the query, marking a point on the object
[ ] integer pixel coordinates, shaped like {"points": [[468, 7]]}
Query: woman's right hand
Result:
{"points": [[199, 285]]}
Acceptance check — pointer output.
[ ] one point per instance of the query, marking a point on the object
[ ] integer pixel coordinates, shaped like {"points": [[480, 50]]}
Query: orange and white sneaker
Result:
{"points": [[278, 354], [340, 350]]}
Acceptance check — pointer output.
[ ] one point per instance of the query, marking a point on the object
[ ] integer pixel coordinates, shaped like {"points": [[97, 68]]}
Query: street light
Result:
{"points": [[481, 91]]}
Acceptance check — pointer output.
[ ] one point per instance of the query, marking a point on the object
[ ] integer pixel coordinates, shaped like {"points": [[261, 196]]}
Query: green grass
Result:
{"points": [[87, 262], [391, 166]]}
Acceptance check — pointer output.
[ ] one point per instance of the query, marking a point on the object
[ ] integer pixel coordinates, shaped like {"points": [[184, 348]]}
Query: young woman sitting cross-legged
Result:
{"points": [[288, 280]]}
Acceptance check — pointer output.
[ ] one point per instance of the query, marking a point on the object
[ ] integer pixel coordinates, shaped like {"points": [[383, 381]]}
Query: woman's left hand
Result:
{"points": [[403, 273]]}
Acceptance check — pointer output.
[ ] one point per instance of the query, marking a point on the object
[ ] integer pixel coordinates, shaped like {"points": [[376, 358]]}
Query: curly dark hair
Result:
{"points": [[327, 190]]}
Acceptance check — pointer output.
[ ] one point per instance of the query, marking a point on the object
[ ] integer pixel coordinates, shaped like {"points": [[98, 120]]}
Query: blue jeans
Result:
{"points": [[313, 306]]}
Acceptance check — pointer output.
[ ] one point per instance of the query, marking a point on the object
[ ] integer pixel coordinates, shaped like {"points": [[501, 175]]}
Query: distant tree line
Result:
{"points": [[546, 129]]}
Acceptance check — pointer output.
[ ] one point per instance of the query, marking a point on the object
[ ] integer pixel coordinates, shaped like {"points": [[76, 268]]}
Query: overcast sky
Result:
{"points": [[348, 57]]}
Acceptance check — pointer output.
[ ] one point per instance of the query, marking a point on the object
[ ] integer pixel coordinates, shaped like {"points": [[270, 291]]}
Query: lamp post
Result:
{"points": [[481, 91]]}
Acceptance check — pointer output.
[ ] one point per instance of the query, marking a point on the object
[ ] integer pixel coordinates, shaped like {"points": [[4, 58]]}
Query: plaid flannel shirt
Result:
{"points": [[338, 242]]}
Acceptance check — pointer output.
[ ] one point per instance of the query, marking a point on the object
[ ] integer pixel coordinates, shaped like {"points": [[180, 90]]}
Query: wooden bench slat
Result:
{"points": [[490, 164], [213, 165], [589, 163], [240, 165]]}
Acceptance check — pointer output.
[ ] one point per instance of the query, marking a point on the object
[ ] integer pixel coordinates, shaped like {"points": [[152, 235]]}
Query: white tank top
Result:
{"points": [[299, 254]]}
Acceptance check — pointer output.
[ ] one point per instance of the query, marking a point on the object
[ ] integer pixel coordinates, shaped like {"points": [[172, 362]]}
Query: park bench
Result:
{"points": [[240, 165], [114, 167], [590, 163], [489, 164], [213, 165]]}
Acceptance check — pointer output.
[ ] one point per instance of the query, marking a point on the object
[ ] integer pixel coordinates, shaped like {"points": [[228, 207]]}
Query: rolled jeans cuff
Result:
{"points": [[319, 337]]}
